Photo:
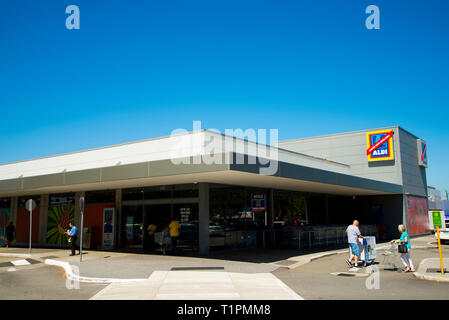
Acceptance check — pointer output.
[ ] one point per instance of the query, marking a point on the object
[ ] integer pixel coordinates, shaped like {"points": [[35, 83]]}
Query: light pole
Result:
{"points": [[30, 205]]}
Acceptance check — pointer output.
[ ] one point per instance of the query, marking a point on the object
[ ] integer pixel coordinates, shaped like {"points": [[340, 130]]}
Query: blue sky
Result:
{"points": [[139, 69]]}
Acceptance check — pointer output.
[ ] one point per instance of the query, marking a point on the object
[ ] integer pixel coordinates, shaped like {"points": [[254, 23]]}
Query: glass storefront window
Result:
{"points": [[185, 191], [162, 192], [187, 216], [161, 215], [104, 196], [23, 200], [132, 194], [155, 219], [5, 203], [290, 208], [227, 206], [151, 218], [63, 199], [231, 208], [233, 223], [132, 226]]}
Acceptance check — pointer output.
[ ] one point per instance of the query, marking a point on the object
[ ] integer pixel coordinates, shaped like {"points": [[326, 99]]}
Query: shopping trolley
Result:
{"points": [[388, 257], [163, 240], [367, 251]]}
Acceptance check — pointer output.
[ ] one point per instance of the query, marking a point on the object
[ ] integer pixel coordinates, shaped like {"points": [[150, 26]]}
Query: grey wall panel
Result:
{"points": [[131, 171], [292, 171], [11, 185], [123, 172], [168, 168], [248, 164], [365, 183], [288, 170], [80, 177], [48, 180], [414, 176], [350, 148]]}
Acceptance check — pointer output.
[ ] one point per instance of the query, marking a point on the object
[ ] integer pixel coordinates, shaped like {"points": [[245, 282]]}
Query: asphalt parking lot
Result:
{"points": [[315, 281], [42, 283]]}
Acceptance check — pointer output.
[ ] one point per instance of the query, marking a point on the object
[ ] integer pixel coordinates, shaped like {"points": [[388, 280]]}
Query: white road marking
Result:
{"points": [[202, 285], [20, 262]]}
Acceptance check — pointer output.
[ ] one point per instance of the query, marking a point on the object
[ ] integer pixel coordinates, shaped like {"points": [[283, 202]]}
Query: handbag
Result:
{"points": [[402, 248]]}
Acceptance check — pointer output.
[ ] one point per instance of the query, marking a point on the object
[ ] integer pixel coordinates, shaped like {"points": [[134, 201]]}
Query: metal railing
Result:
{"points": [[292, 238], [321, 237]]}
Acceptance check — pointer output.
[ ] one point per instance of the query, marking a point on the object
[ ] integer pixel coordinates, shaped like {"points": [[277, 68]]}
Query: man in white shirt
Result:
{"points": [[354, 234]]}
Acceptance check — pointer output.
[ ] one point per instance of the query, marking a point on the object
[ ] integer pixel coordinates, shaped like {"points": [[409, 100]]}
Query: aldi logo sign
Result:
{"points": [[379, 145]]}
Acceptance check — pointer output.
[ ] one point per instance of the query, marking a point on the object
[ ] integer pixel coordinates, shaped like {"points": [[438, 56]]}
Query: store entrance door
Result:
{"points": [[155, 219]]}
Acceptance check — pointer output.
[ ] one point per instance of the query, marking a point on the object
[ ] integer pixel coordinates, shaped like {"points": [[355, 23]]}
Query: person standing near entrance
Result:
{"points": [[73, 233], [405, 256], [354, 234], [174, 227], [10, 233]]}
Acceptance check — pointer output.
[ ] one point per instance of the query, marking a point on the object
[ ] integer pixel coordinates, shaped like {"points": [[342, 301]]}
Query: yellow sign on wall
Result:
{"points": [[379, 145]]}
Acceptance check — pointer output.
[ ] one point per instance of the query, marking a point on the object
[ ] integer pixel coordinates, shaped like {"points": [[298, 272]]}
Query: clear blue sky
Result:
{"points": [[139, 69]]}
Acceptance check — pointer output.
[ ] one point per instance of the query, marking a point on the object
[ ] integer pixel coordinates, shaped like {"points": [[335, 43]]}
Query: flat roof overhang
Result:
{"points": [[288, 176]]}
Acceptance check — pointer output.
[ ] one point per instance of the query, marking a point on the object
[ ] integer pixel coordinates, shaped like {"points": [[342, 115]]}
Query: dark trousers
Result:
{"points": [[9, 240], [173, 241], [73, 244]]}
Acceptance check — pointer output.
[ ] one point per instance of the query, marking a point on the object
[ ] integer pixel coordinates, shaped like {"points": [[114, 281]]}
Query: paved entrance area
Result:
{"points": [[200, 285], [329, 278]]}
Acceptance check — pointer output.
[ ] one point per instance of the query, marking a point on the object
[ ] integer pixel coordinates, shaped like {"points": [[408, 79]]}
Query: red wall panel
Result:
{"points": [[418, 219], [93, 218], [23, 225]]}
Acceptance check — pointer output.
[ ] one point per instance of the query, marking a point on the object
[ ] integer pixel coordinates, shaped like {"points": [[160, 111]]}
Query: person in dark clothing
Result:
{"points": [[73, 233], [10, 233]]}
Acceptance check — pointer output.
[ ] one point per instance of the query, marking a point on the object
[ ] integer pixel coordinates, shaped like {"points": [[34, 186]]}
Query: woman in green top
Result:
{"points": [[405, 257]]}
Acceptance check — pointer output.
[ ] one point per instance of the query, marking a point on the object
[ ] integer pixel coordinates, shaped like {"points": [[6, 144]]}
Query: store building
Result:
{"points": [[226, 192]]}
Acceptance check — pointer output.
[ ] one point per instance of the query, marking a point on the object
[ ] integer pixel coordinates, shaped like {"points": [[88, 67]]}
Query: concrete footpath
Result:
{"points": [[430, 269]]}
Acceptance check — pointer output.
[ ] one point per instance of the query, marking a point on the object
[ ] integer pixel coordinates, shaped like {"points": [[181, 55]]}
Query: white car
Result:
{"points": [[444, 234]]}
